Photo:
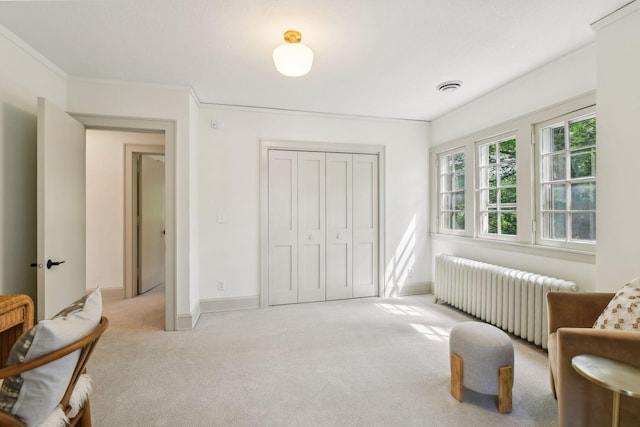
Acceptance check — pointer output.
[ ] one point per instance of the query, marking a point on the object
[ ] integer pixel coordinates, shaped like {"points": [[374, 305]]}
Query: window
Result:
{"points": [[497, 199], [530, 183], [451, 191], [567, 161]]}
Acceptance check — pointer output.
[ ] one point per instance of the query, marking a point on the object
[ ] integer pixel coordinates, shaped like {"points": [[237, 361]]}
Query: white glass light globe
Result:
{"points": [[293, 59]]}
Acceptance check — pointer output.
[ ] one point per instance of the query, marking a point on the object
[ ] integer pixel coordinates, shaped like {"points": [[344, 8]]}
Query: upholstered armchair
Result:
{"points": [[581, 402]]}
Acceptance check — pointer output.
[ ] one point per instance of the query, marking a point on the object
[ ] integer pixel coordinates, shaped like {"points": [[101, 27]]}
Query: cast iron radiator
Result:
{"points": [[512, 300]]}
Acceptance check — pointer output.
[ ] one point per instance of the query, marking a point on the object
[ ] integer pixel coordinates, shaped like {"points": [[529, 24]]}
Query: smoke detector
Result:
{"points": [[450, 86]]}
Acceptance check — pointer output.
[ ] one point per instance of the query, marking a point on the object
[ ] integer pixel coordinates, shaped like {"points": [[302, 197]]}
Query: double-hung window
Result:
{"points": [[451, 198], [496, 190], [567, 180]]}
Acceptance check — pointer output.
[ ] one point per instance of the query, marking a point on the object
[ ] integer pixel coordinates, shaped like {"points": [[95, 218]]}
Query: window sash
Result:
{"points": [[451, 191], [566, 181], [497, 187]]}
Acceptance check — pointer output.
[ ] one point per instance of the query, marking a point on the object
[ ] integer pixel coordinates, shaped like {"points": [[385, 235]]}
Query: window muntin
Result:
{"points": [[451, 195], [497, 191], [568, 180]]}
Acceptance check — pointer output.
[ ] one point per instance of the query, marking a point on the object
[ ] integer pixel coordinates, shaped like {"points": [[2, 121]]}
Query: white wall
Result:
{"points": [[618, 197], [566, 78], [105, 204], [22, 79], [228, 177]]}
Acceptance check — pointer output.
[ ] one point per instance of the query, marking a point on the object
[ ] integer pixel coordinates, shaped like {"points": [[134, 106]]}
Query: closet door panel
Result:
{"points": [[283, 227], [365, 225], [339, 181], [311, 226]]}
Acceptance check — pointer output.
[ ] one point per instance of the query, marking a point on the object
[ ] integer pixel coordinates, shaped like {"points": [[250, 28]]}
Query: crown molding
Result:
{"points": [[616, 15], [26, 48]]}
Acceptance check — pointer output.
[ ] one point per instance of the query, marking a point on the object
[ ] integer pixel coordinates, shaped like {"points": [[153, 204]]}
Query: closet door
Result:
{"points": [[339, 226], [283, 227], [311, 226], [365, 225]]}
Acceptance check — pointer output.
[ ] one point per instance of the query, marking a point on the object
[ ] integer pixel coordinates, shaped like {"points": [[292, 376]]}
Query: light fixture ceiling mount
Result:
{"points": [[293, 59], [292, 36]]}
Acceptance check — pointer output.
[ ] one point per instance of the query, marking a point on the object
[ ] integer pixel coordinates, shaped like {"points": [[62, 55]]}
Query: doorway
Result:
{"points": [[166, 131], [135, 186]]}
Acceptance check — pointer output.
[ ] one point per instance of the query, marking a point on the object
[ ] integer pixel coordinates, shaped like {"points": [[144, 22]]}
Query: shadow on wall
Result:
{"points": [[400, 266], [18, 201]]}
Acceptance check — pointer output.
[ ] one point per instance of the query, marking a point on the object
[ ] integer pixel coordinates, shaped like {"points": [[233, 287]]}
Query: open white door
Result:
{"points": [[151, 228], [61, 209]]}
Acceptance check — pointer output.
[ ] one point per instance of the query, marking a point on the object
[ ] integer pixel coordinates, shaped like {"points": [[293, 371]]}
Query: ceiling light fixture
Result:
{"points": [[293, 59], [450, 86]]}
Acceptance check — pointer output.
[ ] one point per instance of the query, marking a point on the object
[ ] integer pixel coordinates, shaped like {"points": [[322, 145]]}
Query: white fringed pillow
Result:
{"points": [[34, 395], [623, 311]]}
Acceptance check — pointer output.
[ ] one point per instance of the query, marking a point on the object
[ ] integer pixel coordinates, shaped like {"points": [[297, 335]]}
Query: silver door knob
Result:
{"points": [[338, 236], [310, 237]]}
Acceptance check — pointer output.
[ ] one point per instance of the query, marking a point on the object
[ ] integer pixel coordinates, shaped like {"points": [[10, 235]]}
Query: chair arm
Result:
{"points": [[8, 420], [57, 354], [619, 345], [575, 309]]}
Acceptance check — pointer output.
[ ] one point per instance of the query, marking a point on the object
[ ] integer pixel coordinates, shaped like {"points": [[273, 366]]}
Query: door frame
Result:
{"points": [[168, 127], [327, 147], [131, 194]]}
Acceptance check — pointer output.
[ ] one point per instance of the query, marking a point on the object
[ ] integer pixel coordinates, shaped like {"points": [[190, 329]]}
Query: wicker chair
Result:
{"points": [[86, 346], [16, 318]]}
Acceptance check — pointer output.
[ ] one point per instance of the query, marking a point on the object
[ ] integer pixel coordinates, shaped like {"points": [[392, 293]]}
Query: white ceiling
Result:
{"points": [[381, 58]]}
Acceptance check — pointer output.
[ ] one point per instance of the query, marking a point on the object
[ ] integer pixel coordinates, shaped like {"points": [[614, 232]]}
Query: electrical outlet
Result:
{"points": [[410, 272], [221, 285]]}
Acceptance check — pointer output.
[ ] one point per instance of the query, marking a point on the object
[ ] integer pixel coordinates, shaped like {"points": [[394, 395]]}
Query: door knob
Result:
{"points": [[53, 263]]}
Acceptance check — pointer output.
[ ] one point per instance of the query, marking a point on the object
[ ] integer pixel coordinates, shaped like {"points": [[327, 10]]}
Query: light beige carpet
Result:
{"points": [[364, 362]]}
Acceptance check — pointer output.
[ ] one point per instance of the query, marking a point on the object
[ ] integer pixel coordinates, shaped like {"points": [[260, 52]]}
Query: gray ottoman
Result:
{"points": [[481, 360]]}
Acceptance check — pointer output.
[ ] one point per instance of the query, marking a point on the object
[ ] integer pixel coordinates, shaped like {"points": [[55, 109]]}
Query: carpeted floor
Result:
{"points": [[364, 362]]}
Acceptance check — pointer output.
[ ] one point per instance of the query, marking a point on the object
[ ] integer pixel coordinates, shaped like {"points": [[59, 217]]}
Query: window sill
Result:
{"points": [[537, 250]]}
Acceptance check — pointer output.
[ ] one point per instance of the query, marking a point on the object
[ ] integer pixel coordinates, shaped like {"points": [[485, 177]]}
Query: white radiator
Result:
{"points": [[510, 299]]}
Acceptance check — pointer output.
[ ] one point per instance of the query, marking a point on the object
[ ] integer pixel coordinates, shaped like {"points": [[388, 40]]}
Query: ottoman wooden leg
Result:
{"points": [[505, 384], [456, 377]]}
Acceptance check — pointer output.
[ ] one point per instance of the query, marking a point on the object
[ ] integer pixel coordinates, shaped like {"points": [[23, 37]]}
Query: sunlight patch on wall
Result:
{"points": [[400, 266]]}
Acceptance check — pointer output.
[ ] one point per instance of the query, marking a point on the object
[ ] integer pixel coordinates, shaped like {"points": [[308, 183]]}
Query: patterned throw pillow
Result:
{"points": [[34, 394], [623, 311]]}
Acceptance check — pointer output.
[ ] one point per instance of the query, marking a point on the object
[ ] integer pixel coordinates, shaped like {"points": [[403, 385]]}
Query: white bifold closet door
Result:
{"points": [[365, 225], [339, 226], [283, 227], [311, 223], [323, 226]]}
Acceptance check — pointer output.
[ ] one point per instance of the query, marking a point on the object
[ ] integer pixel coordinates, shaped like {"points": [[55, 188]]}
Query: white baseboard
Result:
{"points": [[188, 321], [224, 304], [409, 289], [185, 322]]}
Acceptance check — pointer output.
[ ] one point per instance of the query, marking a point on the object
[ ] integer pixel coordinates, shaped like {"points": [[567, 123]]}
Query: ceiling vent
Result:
{"points": [[450, 86]]}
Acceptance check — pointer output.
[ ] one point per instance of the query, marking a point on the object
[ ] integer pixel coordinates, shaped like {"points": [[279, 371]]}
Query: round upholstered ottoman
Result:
{"points": [[481, 360]]}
